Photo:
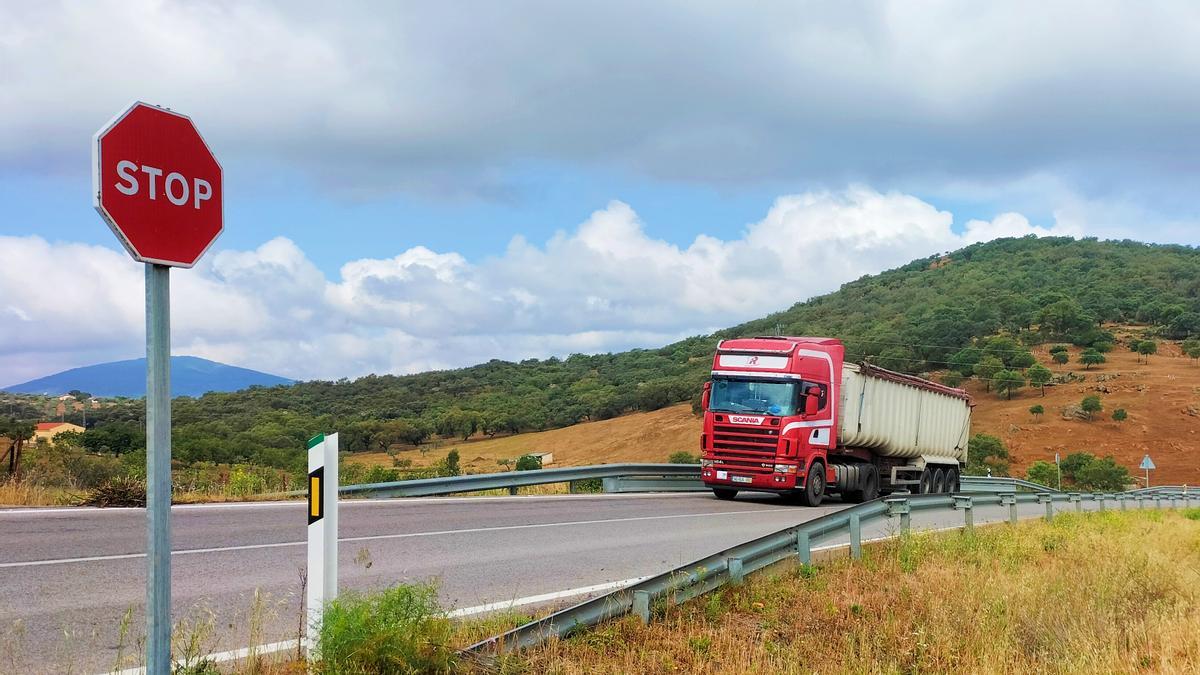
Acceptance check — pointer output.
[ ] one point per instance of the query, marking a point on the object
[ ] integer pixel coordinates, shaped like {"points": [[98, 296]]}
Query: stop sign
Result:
{"points": [[157, 185]]}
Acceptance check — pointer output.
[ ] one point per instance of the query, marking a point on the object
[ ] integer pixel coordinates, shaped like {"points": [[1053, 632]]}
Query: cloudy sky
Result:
{"points": [[414, 186]]}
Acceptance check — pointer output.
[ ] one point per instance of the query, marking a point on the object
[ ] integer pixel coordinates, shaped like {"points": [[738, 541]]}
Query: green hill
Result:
{"points": [[919, 317]]}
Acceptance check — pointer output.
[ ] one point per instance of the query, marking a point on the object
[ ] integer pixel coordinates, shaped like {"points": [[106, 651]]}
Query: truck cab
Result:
{"points": [[772, 423]]}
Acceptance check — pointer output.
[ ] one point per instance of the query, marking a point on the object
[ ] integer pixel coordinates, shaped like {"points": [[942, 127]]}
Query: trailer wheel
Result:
{"points": [[952, 480], [870, 483], [926, 485], [814, 485], [724, 493], [939, 481]]}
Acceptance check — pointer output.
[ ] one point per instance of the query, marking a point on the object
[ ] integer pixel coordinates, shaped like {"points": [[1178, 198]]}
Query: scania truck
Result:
{"points": [[788, 415]]}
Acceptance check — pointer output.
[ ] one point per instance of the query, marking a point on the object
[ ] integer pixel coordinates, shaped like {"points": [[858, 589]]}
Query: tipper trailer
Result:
{"points": [[788, 415]]}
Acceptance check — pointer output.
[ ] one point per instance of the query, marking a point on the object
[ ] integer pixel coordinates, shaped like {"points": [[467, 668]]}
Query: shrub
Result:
{"points": [[1090, 358], [1120, 415], [1037, 411], [1043, 473], [529, 463], [1058, 349], [1060, 358], [117, 492], [379, 474], [987, 452], [683, 457], [400, 630], [450, 466], [1091, 405]]}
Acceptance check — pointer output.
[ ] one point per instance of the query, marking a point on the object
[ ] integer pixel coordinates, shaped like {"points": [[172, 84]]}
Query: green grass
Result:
{"points": [[399, 630]]}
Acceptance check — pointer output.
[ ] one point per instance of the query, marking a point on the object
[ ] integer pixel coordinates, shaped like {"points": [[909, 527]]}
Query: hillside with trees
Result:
{"points": [[974, 314]]}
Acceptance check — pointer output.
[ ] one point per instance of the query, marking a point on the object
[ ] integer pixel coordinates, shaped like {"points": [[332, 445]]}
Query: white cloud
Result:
{"points": [[607, 285], [445, 98]]}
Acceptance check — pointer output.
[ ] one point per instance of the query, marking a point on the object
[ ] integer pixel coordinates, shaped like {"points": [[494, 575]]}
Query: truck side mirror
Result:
{"points": [[812, 403], [704, 396]]}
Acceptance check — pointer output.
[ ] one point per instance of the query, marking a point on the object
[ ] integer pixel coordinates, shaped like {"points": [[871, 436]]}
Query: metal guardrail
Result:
{"points": [[733, 564], [621, 477], [1000, 484], [1181, 489], [615, 477]]}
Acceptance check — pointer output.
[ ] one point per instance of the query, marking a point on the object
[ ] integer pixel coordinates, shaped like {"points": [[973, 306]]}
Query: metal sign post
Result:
{"points": [[1146, 465], [158, 468], [158, 186]]}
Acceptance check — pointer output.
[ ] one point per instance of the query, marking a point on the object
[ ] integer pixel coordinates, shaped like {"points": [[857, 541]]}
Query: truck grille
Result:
{"points": [[744, 449]]}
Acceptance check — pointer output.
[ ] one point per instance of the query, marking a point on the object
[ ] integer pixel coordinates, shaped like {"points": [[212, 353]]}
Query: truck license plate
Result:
{"points": [[742, 479]]}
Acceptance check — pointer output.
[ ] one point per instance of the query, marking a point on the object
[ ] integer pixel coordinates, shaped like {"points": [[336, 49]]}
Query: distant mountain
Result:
{"points": [[190, 376]]}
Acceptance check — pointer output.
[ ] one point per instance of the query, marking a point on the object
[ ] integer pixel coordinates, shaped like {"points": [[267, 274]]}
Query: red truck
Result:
{"points": [[788, 415]]}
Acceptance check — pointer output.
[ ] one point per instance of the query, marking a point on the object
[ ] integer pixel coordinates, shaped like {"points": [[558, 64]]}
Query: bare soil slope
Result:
{"points": [[1161, 397]]}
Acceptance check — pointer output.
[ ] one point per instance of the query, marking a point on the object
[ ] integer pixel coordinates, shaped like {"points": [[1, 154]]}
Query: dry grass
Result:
{"points": [[25, 493], [639, 437], [1111, 593]]}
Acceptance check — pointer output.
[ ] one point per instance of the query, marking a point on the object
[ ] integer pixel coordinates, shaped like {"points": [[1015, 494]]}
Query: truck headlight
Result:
{"points": [[785, 468], [706, 462]]}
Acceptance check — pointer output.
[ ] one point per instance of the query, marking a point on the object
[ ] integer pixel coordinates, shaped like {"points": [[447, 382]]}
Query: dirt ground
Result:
{"points": [[1161, 395]]}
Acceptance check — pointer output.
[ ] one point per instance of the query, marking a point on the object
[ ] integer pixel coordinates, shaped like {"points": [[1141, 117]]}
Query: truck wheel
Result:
{"points": [[724, 493], [939, 481], [814, 485], [870, 484], [951, 480], [926, 485]]}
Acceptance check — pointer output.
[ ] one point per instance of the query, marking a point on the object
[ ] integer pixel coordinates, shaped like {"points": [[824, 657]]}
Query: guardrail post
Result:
{"points": [[1077, 499], [855, 536], [1045, 498], [803, 547], [641, 605], [1157, 501], [1010, 500], [964, 504], [512, 490], [1100, 500], [899, 506], [1121, 500], [734, 566]]}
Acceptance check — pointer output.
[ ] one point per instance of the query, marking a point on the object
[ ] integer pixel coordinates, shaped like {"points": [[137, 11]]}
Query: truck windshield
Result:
{"points": [[737, 395]]}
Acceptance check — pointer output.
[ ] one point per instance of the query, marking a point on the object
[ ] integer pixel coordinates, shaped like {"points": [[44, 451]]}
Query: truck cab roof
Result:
{"points": [[771, 344]]}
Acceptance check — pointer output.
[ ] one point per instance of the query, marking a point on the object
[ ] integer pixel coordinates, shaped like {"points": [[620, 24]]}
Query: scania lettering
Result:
{"points": [[788, 415]]}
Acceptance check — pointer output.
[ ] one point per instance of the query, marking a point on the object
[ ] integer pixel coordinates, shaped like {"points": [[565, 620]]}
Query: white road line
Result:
{"points": [[300, 503], [377, 537], [544, 597], [232, 655]]}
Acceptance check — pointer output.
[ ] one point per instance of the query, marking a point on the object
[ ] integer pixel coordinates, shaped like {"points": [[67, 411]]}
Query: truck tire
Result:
{"points": [[926, 485], [952, 480], [870, 483], [939, 481], [724, 493], [814, 485]]}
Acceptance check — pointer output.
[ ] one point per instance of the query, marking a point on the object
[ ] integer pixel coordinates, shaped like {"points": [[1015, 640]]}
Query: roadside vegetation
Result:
{"points": [[1112, 592]]}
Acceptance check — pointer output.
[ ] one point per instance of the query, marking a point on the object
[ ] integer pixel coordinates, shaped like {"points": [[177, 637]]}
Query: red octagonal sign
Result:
{"points": [[157, 185]]}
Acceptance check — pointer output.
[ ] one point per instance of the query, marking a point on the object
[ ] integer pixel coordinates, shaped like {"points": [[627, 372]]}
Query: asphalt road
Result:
{"points": [[68, 576]]}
